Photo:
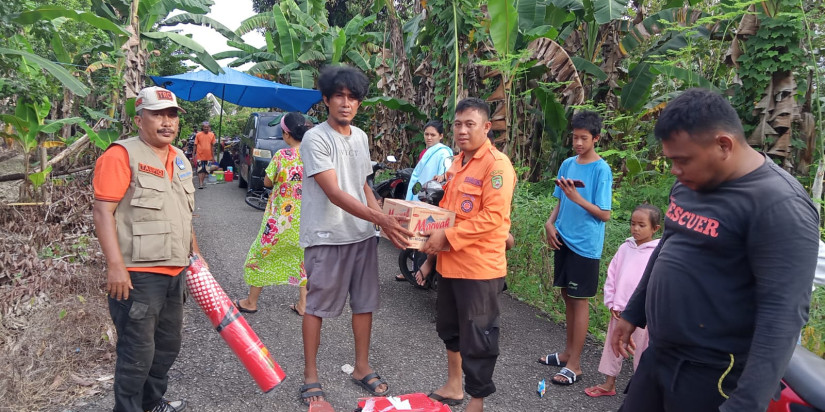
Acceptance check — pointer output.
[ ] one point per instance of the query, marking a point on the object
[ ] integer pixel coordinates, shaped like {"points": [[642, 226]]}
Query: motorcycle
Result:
{"points": [[396, 186], [803, 386], [411, 260]]}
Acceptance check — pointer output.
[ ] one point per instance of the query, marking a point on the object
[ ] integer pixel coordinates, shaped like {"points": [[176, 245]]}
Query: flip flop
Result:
{"points": [[371, 387], [596, 391], [447, 401], [294, 308], [569, 376], [424, 279], [306, 394], [400, 278], [243, 309], [552, 359]]}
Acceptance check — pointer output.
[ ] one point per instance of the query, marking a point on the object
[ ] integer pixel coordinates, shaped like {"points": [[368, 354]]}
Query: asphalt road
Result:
{"points": [[405, 349]]}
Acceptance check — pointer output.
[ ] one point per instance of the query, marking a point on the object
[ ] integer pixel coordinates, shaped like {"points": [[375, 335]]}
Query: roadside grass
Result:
{"points": [[530, 262]]}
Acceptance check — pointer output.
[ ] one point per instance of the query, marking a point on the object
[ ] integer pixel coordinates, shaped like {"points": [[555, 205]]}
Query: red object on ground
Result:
{"points": [[320, 406], [232, 326], [228, 176], [419, 402]]}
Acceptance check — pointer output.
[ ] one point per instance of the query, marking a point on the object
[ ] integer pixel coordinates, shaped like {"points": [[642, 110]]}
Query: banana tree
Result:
{"points": [[30, 130], [132, 29], [299, 41]]}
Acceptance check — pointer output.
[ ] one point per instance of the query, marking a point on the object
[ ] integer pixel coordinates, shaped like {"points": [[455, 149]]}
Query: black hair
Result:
{"points": [[435, 124], [297, 125], [335, 78], [474, 103], [697, 112], [587, 120], [653, 212]]}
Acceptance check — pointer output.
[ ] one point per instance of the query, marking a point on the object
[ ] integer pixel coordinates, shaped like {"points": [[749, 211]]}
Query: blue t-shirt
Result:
{"points": [[582, 232]]}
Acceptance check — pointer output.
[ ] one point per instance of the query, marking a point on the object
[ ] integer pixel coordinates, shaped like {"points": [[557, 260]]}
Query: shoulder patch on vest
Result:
{"points": [[151, 170]]}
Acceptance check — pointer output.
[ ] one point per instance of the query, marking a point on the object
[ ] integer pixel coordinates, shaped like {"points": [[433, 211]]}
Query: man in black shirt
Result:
{"points": [[728, 288]]}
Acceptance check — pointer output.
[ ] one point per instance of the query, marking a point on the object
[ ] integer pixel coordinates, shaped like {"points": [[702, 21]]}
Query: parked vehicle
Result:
{"points": [[410, 260], [262, 137], [376, 167], [803, 386], [189, 148], [396, 186]]}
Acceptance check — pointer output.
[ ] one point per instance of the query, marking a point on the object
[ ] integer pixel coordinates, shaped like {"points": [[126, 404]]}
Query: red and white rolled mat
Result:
{"points": [[232, 327]]}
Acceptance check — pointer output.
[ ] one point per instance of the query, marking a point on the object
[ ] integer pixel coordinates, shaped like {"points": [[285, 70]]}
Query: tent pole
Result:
{"points": [[220, 115]]}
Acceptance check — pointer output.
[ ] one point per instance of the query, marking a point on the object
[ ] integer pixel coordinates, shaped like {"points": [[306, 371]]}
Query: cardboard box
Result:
{"points": [[422, 216]]}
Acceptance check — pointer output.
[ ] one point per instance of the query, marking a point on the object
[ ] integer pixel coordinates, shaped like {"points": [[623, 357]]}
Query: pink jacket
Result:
{"points": [[625, 272]]}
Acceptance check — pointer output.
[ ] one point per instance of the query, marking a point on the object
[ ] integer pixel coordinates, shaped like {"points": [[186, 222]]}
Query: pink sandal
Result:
{"points": [[596, 391]]}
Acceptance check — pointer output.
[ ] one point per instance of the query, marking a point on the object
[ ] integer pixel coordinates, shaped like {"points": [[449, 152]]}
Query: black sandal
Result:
{"points": [[306, 394], [371, 387], [569, 376]]}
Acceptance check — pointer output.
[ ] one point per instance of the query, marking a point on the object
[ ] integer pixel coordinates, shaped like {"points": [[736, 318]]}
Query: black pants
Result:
{"points": [[468, 322], [148, 339], [665, 382]]}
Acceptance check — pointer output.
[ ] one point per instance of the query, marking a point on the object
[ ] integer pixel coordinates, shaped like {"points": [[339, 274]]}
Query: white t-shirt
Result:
{"points": [[323, 223]]}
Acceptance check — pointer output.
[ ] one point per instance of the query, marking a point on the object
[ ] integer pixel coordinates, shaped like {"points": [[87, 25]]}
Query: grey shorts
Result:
{"points": [[333, 271]]}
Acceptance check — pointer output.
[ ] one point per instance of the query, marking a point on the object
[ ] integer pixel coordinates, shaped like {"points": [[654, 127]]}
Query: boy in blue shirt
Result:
{"points": [[575, 230]]}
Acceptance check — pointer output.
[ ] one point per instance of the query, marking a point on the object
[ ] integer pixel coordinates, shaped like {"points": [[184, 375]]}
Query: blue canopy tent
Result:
{"points": [[239, 88]]}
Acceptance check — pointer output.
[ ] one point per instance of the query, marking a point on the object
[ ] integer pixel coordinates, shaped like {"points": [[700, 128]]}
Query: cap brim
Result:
{"points": [[161, 106]]}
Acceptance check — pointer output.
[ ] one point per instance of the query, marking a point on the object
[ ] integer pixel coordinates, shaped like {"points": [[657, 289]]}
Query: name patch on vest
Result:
{"points": [[151, 170]]}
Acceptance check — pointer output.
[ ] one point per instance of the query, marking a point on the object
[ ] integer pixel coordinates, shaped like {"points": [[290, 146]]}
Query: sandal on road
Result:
{"points": [[294, 307], [552, 359], [569, 377], [447, 401], [307, 394], [596, 391], [421, 279], [243, 309], [372, 387]]}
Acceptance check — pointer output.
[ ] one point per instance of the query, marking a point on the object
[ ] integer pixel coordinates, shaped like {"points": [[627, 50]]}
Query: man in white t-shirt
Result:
{"points": [[337, 232]]}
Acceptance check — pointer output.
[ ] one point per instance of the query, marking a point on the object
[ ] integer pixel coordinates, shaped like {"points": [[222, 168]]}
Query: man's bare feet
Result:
{"points": [[421, 278], [448, 392], [475, 405]]}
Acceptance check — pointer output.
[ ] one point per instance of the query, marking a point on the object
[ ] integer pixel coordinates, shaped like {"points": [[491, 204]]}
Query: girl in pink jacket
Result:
{"points": [[623, 275]]}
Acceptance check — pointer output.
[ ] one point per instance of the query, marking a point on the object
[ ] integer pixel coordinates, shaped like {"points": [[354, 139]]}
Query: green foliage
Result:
{"points": [[35, 61], [813, 335], [53, 12], [606, 11], [39, 178], [775, 48], [395, 104], [503, 25]]}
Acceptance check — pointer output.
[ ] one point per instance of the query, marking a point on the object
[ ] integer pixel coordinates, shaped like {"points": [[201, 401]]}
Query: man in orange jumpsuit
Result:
{"points": [[479, 189]]}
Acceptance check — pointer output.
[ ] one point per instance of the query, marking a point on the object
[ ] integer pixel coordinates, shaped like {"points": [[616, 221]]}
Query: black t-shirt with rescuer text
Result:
{"points": [[732, 276]]}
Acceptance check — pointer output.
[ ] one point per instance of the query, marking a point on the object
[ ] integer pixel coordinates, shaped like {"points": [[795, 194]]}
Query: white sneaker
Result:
{"points": [[169, 406]]}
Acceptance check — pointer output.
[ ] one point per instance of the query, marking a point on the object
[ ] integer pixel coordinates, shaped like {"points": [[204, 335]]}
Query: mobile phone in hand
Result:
{"points": [[576, 182]]}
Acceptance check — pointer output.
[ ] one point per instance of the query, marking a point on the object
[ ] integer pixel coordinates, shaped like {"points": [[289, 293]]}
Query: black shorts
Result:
{"points": [[202, 166], [578, 274]]}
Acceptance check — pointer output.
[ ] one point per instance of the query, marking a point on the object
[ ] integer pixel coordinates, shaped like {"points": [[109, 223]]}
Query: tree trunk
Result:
{"points": [[68, 105], [134, 67]]}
